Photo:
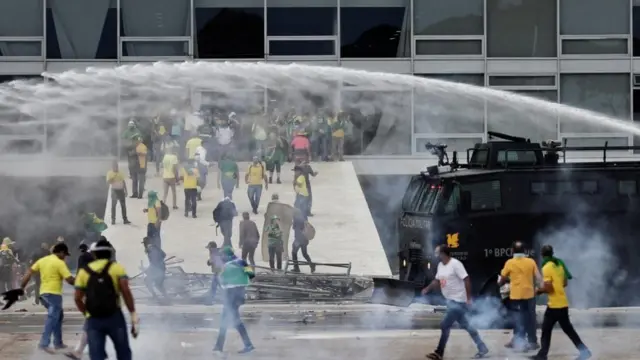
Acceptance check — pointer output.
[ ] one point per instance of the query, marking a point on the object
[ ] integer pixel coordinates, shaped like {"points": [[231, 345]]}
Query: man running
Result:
{"points": [[53, 270], [555, 275], [235, 277], [453, 280]]}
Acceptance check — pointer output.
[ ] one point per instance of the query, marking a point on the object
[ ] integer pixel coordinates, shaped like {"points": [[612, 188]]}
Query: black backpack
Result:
{"points": [[101, 295], [164, 211]]}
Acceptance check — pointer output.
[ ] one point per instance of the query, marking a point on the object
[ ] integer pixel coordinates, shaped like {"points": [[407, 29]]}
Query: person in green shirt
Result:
{"points": [[93, 227], [275, 155], [228, 176], [275, 243]]}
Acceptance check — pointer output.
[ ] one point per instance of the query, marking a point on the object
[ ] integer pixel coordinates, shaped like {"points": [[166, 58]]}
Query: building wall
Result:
{"points": [[577, 52]]}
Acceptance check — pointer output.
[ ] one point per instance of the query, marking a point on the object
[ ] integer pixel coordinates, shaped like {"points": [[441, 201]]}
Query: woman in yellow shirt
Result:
{"points": [[190, 177], [302, 192], [153, 211]]}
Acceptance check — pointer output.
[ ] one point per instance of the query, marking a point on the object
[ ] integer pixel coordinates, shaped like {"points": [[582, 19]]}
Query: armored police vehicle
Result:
{"points": [[510, 190]]}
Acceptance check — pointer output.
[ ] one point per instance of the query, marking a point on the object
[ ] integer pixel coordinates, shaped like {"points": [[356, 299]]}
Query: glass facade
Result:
{"points": [[582, 53]]}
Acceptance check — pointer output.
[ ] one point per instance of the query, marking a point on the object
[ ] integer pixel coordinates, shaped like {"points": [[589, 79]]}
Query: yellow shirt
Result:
{"points": [[555, 275], [152, 213], [116, 272], [168, 163], [141, 150], [116, 179], [301, 186], [162, 130], [337, 133], [521, 273], [256, 174], [190, 181], [192, 146], [52, 271]]}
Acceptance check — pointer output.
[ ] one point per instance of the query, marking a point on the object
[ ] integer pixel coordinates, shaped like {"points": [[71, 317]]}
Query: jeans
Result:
{"points": [[190, 201], [302, 203], [153, 233], [115, 327], [320, 146], [226, 228], [53, 323], [294, 254], [255, 193], [233, 299], [227, 186], [551, 317], [457, 312], [118, 196], [215, 283], [525, 322]]}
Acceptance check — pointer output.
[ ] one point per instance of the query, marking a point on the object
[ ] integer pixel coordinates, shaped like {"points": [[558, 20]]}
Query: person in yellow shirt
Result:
{"points": [[154, 221], [192, 146], [190, 177], [522, 272], [116, 180], [337, 124], [53, 271], [100, 302], [256, 175], [139, 175], [302, 191], [170, 175], [554, 277]]}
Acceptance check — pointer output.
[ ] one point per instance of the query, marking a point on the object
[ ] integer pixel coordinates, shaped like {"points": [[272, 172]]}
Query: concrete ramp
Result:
{"points": [[345, 231]]}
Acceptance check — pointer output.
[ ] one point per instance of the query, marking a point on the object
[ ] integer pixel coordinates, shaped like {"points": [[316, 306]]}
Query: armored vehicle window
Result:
{"points": [[454, 199], [413, 195], [484, 195], [517, 157], [627, 187], [479, 157], [430, 198]]}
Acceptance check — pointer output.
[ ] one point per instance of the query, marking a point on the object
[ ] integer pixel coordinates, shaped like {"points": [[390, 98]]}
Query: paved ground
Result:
{"points": [[321, 344], [345, 231]]}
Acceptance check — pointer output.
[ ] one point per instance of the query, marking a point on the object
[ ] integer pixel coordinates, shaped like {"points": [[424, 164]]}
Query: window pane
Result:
{"points": [[604, 46], [155, 18], [241, 22], [448, 113], [449, 47], [379, 30], [451, 17], [636, 28], [29, 13], [514, 32], [522, 80], [584, 17], [460, 145], [605, 93], [507, 117], [20, 48], [301, 48], [577, 141], [636, 116], [380, 122], [307, 18], [155, 48], [79, 29]]}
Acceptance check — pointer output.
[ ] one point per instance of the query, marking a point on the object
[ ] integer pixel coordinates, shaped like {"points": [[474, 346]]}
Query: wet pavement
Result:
{"points": [[298, 342]]}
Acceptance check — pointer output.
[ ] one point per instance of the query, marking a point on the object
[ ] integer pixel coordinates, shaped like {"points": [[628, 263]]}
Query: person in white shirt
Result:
{"points": [[453, 280]]}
